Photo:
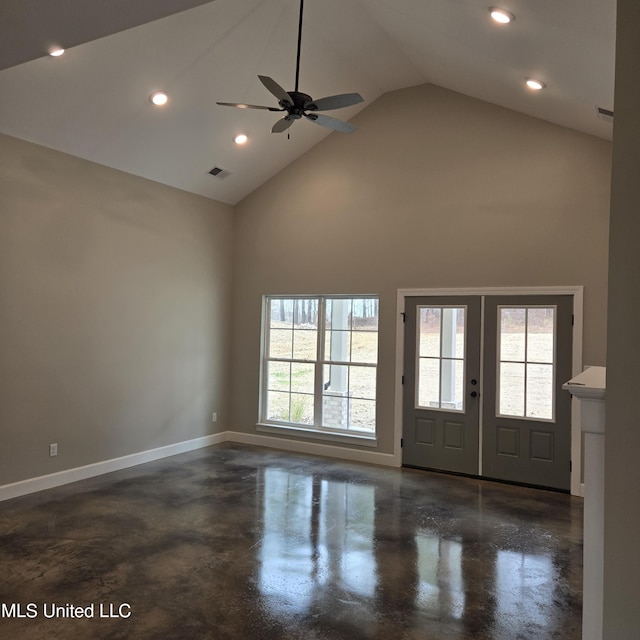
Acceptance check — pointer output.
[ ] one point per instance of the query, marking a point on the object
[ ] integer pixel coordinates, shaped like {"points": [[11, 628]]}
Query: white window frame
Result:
{"points": [[525, 362], [440, 358], [318, 430]]}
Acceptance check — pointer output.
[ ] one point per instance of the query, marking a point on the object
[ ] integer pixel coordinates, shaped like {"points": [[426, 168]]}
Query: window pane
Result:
{"points": [[301, 409], [281, 312], [362, 382], [278, 406], [337, 346], [279, 376], [335, 410], [540, 391], [512, 334], [280, 343], [511, 389], [429, 383], [302, 377], [338, 311], [362, 414], [338, 379], [453, 333], [364, 314], [306, 313], [452, 385], [305, 344], [429, 323], [364, 346], [540, 335]]}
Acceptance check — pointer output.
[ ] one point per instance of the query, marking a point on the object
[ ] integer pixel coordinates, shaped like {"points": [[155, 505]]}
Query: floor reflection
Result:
{"points": [[524, 586], [440, 589], [378, 561], [318, 534]]}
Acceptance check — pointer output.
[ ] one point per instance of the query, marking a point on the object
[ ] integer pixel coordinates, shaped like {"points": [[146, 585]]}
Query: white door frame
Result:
{"points": [[578, 297]]}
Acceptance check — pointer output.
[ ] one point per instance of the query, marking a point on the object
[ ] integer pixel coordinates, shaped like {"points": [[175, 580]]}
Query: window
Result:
{"points": [[320, 363], [440, 358], [526, 364]]}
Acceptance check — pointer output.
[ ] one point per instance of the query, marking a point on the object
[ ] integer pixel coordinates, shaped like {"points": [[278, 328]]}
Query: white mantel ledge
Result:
{"points": [[590, 387], [591, 384]]}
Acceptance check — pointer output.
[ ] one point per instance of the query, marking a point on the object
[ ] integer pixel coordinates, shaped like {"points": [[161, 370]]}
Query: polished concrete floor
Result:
{"points": [[233, 542]]}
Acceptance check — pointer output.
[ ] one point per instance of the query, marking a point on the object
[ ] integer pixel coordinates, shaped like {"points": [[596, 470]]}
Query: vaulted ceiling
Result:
{"points": [[93, 101]]}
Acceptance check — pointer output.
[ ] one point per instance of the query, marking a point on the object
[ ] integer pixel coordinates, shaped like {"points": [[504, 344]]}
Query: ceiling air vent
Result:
{"points": [[604, 114], [219, 172]]}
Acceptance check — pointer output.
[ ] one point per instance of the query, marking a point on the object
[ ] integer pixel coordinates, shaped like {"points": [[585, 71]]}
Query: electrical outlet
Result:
{"points": [[53, 449], [214, 417]]}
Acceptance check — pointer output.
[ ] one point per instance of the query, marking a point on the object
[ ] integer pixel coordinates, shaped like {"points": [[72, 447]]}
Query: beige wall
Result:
{"points": [[435, 189], [114, 312], [622, 470]]}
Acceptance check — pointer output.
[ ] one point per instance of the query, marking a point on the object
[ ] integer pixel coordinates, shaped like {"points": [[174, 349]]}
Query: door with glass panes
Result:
{"points": [[519, 428], [441, 383]]}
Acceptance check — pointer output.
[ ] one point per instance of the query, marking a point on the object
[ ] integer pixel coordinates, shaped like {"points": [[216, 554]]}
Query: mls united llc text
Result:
{"points": [[51, 610]]}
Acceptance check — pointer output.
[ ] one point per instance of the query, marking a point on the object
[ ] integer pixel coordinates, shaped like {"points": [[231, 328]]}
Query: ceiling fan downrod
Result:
{"points": [[299, 45]]}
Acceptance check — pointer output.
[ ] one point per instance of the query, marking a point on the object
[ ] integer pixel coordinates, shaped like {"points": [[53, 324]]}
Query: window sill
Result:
{"points": [[298, 431]]}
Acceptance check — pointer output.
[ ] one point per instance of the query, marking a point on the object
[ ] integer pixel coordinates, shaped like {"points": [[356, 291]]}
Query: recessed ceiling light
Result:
{"points": [[159, 98], [502, 16], [56, 52], [241, 138], [535, 85]]}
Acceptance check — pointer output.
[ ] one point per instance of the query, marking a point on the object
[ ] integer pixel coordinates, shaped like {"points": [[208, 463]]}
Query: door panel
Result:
{"points": [[442, 356], [526, 417]]}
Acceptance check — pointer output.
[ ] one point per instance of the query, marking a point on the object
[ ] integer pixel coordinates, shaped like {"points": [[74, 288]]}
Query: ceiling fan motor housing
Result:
{"points": [[299, 100]]}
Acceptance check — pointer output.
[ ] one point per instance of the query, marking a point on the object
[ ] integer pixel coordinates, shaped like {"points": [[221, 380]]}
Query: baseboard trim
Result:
{"points": [[40, 483], [313, 448]]}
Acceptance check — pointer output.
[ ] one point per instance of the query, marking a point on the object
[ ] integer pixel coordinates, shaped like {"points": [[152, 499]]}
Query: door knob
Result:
{"points": [[474, 381], [474, 394]]}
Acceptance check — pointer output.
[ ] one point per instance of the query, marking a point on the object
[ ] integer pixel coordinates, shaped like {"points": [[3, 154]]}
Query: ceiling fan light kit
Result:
{"points": [[298, 105]]}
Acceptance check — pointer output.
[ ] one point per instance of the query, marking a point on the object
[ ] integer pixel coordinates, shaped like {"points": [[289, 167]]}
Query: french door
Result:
{"points": [[441, 392], [482, 387]]}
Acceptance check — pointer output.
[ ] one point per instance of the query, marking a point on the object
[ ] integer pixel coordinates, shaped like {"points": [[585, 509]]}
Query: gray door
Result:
{"points": [[441, 383], [526, 420], [525, 432]]}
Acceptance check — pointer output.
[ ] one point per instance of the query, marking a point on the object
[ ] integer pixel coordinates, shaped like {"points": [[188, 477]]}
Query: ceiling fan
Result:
{"points": [[298, 105]]}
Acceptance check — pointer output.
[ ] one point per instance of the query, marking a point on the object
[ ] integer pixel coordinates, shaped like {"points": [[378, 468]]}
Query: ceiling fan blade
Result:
{"points": [[331, 123], [334, 102], [282, 125], [242, 105], [276, 89]]}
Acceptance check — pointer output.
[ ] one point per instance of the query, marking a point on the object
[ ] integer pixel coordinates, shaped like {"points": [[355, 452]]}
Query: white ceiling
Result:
{"points": [[93, 101]]}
